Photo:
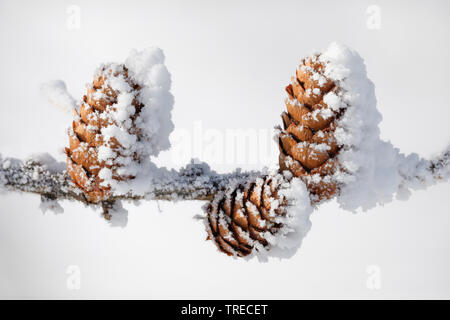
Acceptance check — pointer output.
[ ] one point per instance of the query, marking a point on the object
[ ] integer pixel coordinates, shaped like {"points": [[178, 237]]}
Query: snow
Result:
{"points": [[51, 205], [56, 93], [147, 68], [375, 170], [296, 222], [155, 119], [6, 164], [47, 162], [39, 173], [119, 215]]}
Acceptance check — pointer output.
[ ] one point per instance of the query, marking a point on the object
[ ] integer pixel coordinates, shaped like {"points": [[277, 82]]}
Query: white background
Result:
{"points": [[229, 61]]}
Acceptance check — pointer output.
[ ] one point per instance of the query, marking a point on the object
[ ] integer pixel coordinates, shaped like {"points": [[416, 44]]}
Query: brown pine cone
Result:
{"points": [[308, 147], [250, 216], [91, 149]]}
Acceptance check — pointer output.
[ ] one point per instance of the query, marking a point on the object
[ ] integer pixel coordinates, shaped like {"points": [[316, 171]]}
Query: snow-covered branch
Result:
{"points": [[45, 176], [41, 174], [419, 173]]}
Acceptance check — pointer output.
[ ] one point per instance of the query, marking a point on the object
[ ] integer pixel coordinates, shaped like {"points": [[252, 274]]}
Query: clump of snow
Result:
{"points": [[118, 215], [10, 170], [56, 93], [47, 162], [52, 205], [417, 173], [296, 222], [155, 120], [374, 170]]}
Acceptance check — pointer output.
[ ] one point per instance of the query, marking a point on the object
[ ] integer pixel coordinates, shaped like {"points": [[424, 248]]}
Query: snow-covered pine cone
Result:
{"points": [[109, 111], [239, 218], [308, 147], [256, 216]]}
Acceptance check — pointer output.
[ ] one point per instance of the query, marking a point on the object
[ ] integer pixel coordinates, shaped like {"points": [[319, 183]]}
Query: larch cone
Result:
{"points": [[307, 143], [240, 219], [87, 137]]}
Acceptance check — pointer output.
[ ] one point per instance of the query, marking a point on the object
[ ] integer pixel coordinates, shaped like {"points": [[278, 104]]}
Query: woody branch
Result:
{"points": [[193, 182]]}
